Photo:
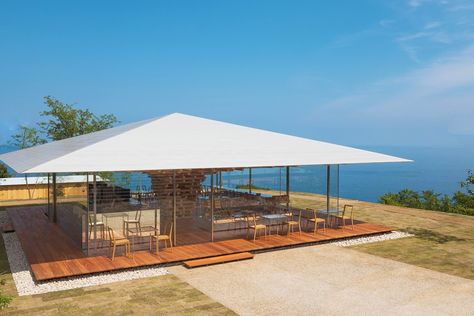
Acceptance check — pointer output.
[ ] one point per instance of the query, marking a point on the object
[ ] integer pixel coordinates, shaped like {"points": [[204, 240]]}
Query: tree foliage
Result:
{"points": [[26, 137], [64, 120], [4, 171], [460, 202]]}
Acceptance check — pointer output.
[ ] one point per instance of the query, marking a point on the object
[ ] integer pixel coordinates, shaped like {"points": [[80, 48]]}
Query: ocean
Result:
{"points": [[439, 169]]}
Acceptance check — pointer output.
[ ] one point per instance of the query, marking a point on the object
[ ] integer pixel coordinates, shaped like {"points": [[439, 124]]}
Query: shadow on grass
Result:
{"points": [[433, 236]]}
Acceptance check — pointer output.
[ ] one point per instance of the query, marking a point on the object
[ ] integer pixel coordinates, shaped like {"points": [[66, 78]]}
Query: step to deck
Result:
{"points": [[217, 260], [8, 228]]}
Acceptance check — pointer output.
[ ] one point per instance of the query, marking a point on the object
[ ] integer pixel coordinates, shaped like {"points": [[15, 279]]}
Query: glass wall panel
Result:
{"points": [[71, 205]]}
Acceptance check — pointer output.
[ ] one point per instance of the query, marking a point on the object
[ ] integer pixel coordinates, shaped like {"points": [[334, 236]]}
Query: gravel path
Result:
{"points": [[370, 239], [26, 285], [330, 280]]}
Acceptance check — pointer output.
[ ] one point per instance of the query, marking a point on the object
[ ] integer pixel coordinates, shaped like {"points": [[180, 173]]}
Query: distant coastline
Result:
{"points": [[438, 169]]}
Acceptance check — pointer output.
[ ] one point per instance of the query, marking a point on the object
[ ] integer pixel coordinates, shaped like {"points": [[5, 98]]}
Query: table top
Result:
{"points": [[274, 216], [115, 214], [329, 211]]}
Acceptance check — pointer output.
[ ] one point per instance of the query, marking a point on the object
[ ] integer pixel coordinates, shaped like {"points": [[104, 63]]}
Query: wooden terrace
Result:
{"points": [[52, 254]]}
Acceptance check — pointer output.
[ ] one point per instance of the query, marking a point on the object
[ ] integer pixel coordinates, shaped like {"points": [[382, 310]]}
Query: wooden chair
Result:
{"points": [[347, 213], [292, 222], [118, 242], [97, 224], [135, 221], [316, 220], [256, 227], [166, 237]]}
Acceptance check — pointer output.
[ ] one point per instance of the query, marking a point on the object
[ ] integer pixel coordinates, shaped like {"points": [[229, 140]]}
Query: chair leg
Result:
{"points": [[299, 227], [315, 230], [352, 222], [254, 234], [157, 245], [113, 252]]}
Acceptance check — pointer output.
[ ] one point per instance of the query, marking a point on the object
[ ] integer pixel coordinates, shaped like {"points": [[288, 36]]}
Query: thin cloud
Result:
{"points": [[439, 95]]}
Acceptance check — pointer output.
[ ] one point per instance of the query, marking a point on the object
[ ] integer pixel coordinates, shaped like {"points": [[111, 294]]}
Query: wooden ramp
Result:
{"points": [[217, 260]]}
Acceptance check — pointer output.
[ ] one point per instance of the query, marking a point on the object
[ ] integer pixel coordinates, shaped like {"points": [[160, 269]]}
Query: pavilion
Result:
{"points": [[189, 178]]}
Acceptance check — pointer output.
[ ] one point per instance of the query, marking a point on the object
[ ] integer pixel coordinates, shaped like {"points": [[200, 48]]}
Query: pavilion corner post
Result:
{"points": [[87, 213], [288, 187], [338, 188], [55, 198], [49, 197], [94, 179], [328, 186], [212, 205], [174, 207], [250, 180]]}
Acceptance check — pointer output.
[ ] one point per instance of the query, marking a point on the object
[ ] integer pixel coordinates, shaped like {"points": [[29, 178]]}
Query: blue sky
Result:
{"points": [[351, 72]]}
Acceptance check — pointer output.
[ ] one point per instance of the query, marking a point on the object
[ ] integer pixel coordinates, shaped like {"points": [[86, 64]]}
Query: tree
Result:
{"points": [[4, 171], [27, 137], [64, 120], [430, 200], [468, 183]]}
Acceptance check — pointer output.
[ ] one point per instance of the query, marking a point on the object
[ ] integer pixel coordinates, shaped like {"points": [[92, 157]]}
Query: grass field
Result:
{"points": [[163, 295], [443, 242]]}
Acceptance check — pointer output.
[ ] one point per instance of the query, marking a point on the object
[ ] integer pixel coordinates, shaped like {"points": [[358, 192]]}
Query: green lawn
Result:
{"points": [[443, 242], [149, 296]]}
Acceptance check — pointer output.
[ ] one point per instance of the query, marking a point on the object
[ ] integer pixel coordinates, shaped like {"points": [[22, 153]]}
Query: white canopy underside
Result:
{"points": [[179, 141]]}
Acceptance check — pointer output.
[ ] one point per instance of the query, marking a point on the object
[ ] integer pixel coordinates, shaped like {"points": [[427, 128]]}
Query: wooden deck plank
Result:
{"points": [[51, 254]]}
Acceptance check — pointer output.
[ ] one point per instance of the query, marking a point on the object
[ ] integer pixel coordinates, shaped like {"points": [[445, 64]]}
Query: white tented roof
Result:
{"points": [[179, 141]]}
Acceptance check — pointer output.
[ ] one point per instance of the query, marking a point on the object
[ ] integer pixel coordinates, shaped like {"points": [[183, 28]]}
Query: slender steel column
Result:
{"points": [[87, 213], [328, 186], [94, 179], [250, 180], [220, 181], [338, 166], [288, 187], [49, 195], [174, 207], [55, 198], [212, 206]]}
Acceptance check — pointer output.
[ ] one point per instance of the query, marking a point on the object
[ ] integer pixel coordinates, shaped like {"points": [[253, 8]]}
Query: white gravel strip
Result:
{"points": [[370, 239], [26, 285]]}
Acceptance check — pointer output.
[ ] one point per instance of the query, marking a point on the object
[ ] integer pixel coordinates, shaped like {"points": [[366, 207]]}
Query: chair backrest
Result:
{"points": [[168, 229], [299, 214], [293, 214], [348, 210], [252, 219], [111, 234], [314, 212], [138, 214]]}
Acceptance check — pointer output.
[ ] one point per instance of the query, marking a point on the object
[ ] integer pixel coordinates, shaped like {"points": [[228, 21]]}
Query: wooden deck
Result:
{"points": [[51, 254]]}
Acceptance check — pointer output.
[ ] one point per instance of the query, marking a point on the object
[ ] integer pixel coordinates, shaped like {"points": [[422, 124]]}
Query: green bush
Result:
{"points": [[460, 202]]}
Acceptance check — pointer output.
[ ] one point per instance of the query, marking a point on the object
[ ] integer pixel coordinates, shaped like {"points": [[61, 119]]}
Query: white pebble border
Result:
{"points": [[370, 239], [26, 285]]}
